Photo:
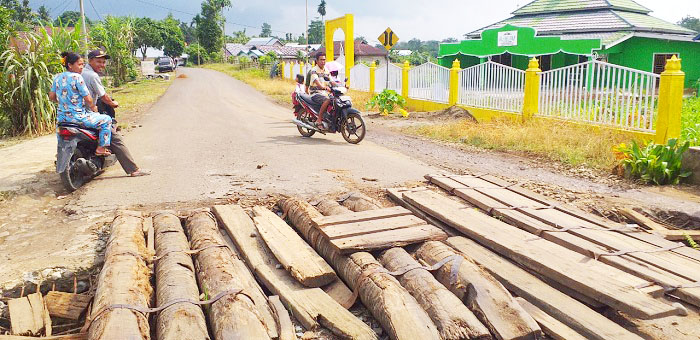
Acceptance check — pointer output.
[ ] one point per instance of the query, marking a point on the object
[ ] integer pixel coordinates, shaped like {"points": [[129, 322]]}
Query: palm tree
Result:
{"points": [[322, 9]]}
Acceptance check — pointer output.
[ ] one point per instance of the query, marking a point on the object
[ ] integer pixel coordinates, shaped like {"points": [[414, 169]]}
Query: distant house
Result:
{"points": [[232, 49], [287, 53], [404, 53], [263, 42], [312, 47], [363, 52]]}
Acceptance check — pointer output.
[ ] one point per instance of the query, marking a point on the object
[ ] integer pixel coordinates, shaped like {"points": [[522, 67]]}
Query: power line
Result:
{"points": [[93, 8], [164, 7]]}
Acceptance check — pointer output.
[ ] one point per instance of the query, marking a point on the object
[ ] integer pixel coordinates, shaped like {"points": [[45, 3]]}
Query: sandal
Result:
{"points": [[139, 173], [106, 153]]}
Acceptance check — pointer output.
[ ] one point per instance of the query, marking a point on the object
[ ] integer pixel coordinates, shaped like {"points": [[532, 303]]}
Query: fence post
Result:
{"points": [[454, 82], [668, 122], [532, 89], [372, 72], [404, 79], [282, 67], [301, 68]]}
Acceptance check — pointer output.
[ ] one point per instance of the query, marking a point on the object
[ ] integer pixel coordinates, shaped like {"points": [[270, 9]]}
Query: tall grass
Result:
{"points": [[690, 121], [26, 80], [116, 36]]}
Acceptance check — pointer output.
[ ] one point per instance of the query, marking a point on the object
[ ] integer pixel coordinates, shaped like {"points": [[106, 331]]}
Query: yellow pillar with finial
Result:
{"points": [[454, 82], [372, 72], [532, 89], [404, 79], [668, 121]]}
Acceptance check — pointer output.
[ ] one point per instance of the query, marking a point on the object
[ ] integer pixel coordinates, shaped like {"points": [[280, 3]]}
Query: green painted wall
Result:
{"points": [[638, 53]]}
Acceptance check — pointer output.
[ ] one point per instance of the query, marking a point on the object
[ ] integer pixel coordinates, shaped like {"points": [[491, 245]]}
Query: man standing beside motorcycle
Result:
{"points": [[97, 60], [319, 87]]}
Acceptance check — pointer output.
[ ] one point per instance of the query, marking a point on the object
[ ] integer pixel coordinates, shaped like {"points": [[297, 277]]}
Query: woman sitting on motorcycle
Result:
{"points": [[75, 105]]}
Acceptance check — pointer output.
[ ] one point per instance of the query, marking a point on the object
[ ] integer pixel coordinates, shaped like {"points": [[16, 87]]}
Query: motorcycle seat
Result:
{"points": [[77, 126], [309, 101]]}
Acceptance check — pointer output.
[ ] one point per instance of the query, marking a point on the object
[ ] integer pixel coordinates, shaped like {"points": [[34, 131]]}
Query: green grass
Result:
{"points": [[690, 121], [133, 97]]}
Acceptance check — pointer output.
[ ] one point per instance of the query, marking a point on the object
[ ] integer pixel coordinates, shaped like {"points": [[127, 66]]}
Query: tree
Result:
{"points": [[322, 9], [172, 37], [189, 31], [20, 13], [266, 30], [116, 36], [147, 33], [316, 32], [238, 37], [209, 31], [449, 40], [196, 54], [301, 40], [690, 22], [43, 16], [70, 18], [361, 39]]}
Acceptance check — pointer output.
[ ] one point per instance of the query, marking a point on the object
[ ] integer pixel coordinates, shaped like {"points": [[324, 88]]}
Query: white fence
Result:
{"points": [[600, 93], [395, 78], [288, 71], [429, 82], [359, 77], [493, 86]]}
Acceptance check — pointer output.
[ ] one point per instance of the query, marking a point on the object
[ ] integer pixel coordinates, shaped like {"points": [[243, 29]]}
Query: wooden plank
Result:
{"points": [[124, 279], [371, 226], [679, 235], [388, 239], [294, 254], [396, 310], [284, 323], [551, 326], [78, 336], [357, 201], [594, 279], [29, 316], [339, 292], [396, 195], [175, 280], [310, 306], [642, 220], [323, 221], [555, 303], [482, 293], [452, 318], [220, 269], [66, 305]]}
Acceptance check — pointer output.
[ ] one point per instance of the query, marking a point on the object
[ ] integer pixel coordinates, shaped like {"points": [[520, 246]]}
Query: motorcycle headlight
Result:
{"points": [[345, 98]]}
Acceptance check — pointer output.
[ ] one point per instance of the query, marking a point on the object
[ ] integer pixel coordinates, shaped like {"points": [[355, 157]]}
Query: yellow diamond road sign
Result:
{"points": [[388, 38]]}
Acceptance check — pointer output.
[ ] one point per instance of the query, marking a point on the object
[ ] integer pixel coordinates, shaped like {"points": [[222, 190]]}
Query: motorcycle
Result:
{"points": [[76, 162], [339, 117]]}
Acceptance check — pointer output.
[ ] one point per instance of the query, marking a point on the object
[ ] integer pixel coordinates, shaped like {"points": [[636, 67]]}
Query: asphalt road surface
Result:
{"points": [[211, 135]]}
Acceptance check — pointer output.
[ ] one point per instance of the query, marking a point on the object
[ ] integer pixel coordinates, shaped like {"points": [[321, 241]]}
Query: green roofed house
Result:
{"points": [[566, 32]]}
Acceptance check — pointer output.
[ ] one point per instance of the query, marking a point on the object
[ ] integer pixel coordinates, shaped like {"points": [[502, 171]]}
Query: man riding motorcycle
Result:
{"points": [[96, 64], [319, 88]]}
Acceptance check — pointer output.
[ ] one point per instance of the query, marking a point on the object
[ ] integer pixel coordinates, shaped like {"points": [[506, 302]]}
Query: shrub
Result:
{"points": [[196, 54], [116, 36], [386, 101], [654, 163], [690, 121]]}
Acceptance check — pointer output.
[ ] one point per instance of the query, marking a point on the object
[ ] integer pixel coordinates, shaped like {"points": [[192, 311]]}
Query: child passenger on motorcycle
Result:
{"points": [[75, 105]]}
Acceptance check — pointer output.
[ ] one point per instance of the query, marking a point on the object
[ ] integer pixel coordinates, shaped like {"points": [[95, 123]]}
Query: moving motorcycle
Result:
{"points": [[76, 161], [340, 116]]}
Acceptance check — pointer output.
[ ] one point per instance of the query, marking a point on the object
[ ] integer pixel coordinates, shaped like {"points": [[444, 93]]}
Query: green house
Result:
{"points": [[566, 32]]}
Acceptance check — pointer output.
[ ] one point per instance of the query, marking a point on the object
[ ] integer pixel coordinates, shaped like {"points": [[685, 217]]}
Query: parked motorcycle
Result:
{"points": [[76, 161], [340, 116]]}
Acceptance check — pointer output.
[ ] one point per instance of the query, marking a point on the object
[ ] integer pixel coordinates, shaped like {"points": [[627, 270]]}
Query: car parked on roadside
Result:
{"points": [[165, 64]]}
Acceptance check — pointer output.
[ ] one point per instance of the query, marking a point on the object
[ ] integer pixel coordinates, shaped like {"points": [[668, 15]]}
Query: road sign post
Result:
{"points": [[388, 39]]}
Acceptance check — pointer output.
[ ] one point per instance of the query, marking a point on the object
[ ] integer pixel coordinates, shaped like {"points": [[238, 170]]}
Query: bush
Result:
{"points": [[654, 163], [387, 100], [196, 54]]}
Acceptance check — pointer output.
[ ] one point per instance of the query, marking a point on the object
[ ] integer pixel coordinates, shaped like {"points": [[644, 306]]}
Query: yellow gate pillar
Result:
{"points": [[372, 72], [532, 89], [668, 122], [404, 79], [283, 66], [345, 23], [454, 82]]}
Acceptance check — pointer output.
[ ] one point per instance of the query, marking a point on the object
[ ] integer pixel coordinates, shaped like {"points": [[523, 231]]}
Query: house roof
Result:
{"points": [[262, 41], [233, 48], [361, 49], [282, 51], [558, 6]]}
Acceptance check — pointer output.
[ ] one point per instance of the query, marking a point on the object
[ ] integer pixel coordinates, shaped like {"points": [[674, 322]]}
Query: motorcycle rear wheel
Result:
{"points": [[304, 117], [72, 177], [353, 128]]}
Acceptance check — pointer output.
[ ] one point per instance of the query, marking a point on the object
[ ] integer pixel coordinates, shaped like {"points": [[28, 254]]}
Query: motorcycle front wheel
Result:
{"points": [[72, 177], [353, 128]]}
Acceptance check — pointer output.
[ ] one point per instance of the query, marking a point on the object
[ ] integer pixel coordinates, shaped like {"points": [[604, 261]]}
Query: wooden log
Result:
{"points": [[482, 293], [310, 306], [66, 305], [452, 318], [77, 336], [29, 315], [551, 326], [397, 311], [331, 207], [357, 201], [124, 279], [219, 269], [564, 308], [175, 280], [297, 257], [284, 322], [594, 279]]}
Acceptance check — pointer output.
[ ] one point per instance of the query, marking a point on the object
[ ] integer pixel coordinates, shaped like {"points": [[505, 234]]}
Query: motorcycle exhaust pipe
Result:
{"points": [[304, 125]]}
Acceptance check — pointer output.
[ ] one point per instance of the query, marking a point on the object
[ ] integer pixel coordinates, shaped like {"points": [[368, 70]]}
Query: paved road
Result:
{"points": [[207, 136]]}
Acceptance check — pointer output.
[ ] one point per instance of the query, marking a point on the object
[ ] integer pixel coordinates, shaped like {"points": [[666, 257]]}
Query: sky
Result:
{"points": [[425, 20]]}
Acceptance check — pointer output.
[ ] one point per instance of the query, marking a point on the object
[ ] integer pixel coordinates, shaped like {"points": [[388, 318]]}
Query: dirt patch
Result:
{"points": [[449, 114]]}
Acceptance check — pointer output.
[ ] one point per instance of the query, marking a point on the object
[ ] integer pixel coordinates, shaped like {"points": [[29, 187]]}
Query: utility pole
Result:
{"points": [[82, 17], [223, 30], [306, 25]]}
